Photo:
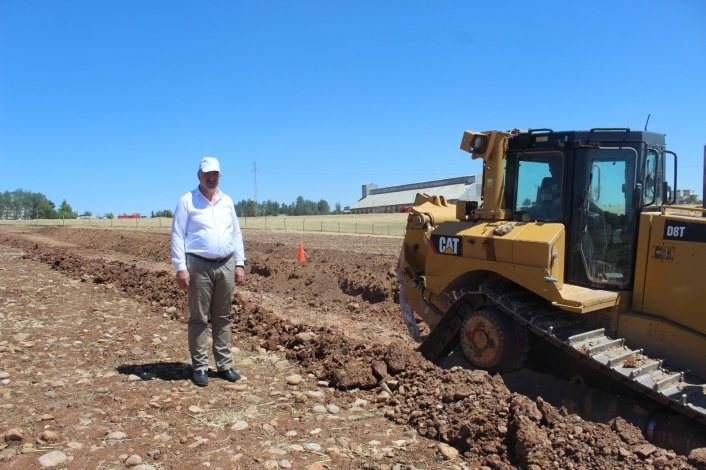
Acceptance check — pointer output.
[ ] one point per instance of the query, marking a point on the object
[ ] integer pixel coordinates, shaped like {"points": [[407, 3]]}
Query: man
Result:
{"points": [[551, 190], [208, 254]]}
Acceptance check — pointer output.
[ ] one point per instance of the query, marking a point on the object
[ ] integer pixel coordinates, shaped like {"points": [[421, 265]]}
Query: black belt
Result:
{"points": [[213, 260]]}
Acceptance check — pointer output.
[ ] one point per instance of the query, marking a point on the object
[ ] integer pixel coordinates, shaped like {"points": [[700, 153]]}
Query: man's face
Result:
{"points": [[209, 180], [555, 168]]}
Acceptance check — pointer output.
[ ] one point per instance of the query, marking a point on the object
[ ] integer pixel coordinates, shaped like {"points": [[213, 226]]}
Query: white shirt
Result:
{"points": [[205, 228]]}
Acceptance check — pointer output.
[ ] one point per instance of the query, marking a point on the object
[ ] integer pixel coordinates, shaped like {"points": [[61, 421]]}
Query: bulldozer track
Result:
{"points": [[674, 389]]}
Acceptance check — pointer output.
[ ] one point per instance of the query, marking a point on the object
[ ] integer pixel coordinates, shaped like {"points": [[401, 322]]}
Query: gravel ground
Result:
{"points": [[95, 370]]}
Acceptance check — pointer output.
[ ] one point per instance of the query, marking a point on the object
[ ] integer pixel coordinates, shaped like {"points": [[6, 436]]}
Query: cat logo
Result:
{"points": [[447, 245]]}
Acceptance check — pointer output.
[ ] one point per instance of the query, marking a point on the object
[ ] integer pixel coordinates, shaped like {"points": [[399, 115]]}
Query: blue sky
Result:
{"points": [[112, 104]]}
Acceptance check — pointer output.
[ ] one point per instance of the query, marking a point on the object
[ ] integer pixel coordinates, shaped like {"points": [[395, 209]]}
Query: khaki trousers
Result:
{"points": [[210, 292]]}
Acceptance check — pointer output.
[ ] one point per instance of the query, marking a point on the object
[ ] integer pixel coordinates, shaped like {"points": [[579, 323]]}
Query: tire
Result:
{"points": [[491, 340]]}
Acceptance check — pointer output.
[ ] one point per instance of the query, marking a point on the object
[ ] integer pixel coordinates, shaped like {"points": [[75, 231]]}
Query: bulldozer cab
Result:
{"points": [[595, 183]]}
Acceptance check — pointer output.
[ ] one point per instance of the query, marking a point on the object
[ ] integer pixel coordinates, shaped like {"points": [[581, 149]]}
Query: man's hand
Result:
{"points": [[182, 279], [239, 276]]}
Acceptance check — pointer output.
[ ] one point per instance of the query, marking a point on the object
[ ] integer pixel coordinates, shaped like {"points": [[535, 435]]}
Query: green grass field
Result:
{"points": [[370, 224]]}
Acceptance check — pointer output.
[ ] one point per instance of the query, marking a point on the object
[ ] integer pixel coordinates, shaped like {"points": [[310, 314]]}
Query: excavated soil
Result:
{"points": [[333, 319]]}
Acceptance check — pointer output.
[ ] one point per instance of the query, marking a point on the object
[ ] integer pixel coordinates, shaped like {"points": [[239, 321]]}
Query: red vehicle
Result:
{"points": [[404, 209], [130, 216]]}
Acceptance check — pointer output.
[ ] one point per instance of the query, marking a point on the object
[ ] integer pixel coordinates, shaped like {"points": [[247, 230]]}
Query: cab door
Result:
{"points": [[603, 218]]}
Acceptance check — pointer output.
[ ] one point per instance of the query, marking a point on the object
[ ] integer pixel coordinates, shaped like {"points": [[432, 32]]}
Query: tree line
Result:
{"points": [[250, 208], [21, 204]]}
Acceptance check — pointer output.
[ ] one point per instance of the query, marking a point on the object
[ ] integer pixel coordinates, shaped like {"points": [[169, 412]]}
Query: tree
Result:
{"points": [[87, 214], [66, 212], [165, 213], [338, 208], [527, 202], [109, 215], [323, 208]]}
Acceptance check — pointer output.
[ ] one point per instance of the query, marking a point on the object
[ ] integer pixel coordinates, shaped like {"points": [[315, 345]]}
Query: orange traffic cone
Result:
{"points": [[301, 256]]}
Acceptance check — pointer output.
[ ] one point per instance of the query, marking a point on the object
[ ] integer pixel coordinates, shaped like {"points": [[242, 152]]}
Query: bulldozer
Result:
{"points": [[577, 241]]}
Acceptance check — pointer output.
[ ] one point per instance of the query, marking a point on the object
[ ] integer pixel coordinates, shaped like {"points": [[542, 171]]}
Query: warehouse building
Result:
{"points": [[399, 198]]}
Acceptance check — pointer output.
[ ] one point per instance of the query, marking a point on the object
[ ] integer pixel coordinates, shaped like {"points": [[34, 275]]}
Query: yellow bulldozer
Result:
{"points": [[577, 240]]}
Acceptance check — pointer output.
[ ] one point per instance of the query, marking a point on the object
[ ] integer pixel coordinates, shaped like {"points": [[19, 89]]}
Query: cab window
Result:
{"points": [[540, 186]]}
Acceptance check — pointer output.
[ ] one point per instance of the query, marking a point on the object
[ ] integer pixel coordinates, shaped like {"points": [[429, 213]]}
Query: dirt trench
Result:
{"points": [[470, 410]]}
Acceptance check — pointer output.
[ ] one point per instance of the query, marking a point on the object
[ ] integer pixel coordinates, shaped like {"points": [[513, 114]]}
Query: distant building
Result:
{"points": [[399, 198], [687, 196]]}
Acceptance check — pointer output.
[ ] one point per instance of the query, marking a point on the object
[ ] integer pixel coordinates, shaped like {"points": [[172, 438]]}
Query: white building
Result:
{"points": [[393, 198]]}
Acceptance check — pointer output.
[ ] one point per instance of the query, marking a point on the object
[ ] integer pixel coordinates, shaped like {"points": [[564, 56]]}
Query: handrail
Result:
{"points": [[664, 208]]}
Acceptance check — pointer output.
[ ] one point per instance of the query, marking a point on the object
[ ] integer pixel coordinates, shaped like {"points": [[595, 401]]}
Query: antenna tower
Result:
{"points": [[254, 170]]}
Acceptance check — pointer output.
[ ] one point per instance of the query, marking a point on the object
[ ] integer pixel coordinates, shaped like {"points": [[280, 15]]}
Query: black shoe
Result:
{"points": [[230, 375], [200, 378]]}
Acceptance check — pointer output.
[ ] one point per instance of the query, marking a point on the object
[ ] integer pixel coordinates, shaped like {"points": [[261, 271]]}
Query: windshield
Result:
{"points": [[607, 218], [540, 184]]}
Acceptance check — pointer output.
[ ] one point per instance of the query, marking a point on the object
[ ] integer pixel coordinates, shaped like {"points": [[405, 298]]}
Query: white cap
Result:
{"points": [[209, 164]]}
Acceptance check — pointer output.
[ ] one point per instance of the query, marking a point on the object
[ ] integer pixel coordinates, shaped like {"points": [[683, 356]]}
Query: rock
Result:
{"points": [[315, 394], [294, 379], [50, 436], [448, 452], [301, 398], [343, 441], [239, 426], [254, 399], [316, 466], [296, 448], [313, 446], [290, 434], [235, 388], [333, 409], [382, 397], [305, 337], [697, 458], [133, 460], [7, 454], [4, 375], [195, 409], [52, 459], [271, 464], [171, 310], [137, 351], [117, 435], [380, 370], [14, 435], [281, 364], [624, 453], [133, 378], [660, 462], [74, 445], [360, 402], [319, 409], [644, 450], [144, 466], [285, 464]]}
